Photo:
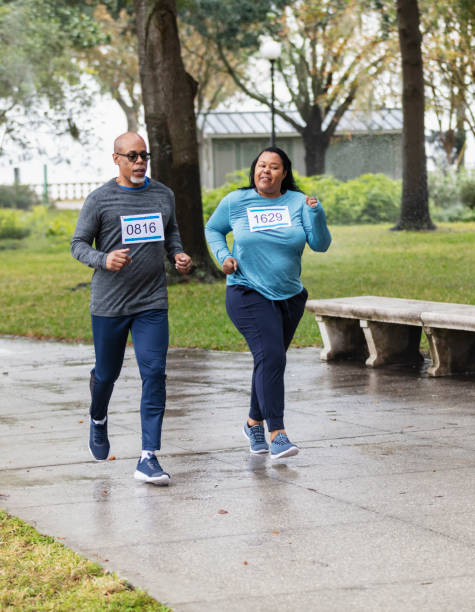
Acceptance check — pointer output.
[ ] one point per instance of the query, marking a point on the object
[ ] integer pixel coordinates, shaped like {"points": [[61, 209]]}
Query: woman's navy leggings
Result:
{"points": [[268, 327]]}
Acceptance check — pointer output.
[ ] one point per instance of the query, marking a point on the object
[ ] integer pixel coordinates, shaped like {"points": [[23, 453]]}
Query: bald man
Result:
{"points": [[124, 230]]}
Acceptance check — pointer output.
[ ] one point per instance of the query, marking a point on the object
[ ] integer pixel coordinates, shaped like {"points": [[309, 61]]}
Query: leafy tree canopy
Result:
{"points": [[38, 71], [234, 25]]}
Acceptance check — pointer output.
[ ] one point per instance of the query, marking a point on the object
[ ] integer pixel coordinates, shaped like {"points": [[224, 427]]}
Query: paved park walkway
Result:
{"points": [[376, 513]]}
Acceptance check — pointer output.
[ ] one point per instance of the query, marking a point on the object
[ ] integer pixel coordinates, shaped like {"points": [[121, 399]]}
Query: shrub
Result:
{"points": [[371, 198], [12, 225], [212, 197], [52, 223], [62, 226], [443, 189], [452, 195], [467, 193], [17, 196], [38, 219]]}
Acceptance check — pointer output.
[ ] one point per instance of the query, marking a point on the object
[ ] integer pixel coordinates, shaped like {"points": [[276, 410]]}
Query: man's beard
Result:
{"points": [[136, 180]]}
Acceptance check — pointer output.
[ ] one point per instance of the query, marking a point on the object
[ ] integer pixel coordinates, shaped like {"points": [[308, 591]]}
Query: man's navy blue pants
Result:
{"points": [[268, 327], [149, 331]]}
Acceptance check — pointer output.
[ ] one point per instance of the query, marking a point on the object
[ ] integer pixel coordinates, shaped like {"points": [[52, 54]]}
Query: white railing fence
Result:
{"points": [[66, 192]]}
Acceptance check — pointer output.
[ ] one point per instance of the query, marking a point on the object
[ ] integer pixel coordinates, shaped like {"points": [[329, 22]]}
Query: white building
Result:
{"points": [[363, 142]]}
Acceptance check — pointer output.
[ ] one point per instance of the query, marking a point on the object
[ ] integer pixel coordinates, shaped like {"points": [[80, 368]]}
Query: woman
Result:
{"points": [[271, 221]]}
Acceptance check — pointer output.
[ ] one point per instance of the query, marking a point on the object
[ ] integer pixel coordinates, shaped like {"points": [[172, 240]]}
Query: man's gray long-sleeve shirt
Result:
{"points": [[141, 285]]}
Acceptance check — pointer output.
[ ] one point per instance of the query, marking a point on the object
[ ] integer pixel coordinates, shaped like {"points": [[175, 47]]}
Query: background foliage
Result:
{"points": [[371, 198], [17, 196], [45, 292]]}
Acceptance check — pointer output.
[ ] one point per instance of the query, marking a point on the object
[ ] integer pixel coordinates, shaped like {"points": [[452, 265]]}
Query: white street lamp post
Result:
{"points": [[271, 50]]}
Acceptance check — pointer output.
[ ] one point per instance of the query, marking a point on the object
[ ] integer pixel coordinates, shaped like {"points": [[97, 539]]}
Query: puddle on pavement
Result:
{"points": [[176, 412], [77, 362], [102, 490], [54, 387], [66, 405], [13, 479], [6, 420]]}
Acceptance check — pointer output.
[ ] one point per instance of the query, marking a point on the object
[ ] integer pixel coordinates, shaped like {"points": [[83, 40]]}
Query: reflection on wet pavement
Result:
{"points": [[375, 513]]}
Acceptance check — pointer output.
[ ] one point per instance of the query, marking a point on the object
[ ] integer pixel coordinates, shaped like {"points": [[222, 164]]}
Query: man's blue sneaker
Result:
{"points": [[98, 441], [257, 439], [149, 470], [281, 446]]}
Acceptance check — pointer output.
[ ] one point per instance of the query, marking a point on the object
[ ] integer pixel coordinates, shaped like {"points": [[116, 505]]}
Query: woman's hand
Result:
{"points": [[230, 265], [311, 201]]}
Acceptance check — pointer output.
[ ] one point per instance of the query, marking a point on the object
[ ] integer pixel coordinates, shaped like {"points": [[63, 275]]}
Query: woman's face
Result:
{"points": [[269, 174]]}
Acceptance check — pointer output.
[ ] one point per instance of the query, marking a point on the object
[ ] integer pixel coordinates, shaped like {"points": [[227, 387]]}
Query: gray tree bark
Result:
{"points": [[415, 201], [168, 92]]}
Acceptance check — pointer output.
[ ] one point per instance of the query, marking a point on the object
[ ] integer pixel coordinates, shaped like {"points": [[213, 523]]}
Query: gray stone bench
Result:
{"points": [[388, 330]]}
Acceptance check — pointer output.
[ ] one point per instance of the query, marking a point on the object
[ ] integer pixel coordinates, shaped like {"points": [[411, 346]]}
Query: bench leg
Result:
{"points": [[391, 343], [452, 351], [342, 338]]}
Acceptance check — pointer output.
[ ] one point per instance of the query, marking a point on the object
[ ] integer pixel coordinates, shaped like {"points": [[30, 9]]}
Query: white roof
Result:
{"points": [[259, 122]]}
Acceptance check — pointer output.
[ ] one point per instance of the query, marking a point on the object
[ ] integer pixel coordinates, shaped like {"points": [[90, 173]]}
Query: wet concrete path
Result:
{"points": [[376, 513]]}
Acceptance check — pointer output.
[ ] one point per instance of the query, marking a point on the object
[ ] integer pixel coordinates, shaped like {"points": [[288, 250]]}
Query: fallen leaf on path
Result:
{"points": [[223, 511]]}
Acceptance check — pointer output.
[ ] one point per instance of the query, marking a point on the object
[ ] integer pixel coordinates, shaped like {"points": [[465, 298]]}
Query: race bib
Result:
{"points": [[142, 228], [268, 217]]}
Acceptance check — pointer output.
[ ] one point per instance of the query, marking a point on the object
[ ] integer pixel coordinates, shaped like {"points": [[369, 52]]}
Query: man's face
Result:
{"points": [[131, 173]]}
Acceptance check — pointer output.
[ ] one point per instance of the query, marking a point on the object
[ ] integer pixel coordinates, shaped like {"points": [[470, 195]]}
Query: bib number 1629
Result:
{"points": [[263, 218]]}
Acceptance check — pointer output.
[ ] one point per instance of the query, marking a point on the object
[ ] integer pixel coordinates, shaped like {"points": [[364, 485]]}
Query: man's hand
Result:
{"points": [[230, 265], [183, 263], [311, 201], [116, 260]]}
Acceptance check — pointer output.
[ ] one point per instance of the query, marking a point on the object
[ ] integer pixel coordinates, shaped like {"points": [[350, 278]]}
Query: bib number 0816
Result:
{"points": [[142, 228], [138, 229]]}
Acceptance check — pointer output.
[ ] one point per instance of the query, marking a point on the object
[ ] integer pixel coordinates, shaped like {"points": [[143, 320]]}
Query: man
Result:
{"points": [[131, 221]]}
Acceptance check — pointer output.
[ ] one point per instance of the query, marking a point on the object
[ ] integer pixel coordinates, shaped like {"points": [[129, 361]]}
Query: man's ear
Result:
{"points": [[115, 159]]}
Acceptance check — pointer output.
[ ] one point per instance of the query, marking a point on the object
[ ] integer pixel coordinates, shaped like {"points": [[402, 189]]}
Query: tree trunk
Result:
{"points": [[131, 113], [315, 142], [168, 93], [414, 204], [460, 138]]}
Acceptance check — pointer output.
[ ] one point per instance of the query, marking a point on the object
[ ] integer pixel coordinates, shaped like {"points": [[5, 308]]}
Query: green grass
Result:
{"points": [[38, 573], [44, 292]]}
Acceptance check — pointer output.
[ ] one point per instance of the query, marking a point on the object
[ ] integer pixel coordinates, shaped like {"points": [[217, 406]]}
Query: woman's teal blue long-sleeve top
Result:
{"points": [[269, 260]]}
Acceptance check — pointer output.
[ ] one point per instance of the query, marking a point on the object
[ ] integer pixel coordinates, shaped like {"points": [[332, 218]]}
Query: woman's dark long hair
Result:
{"points": [[288, 183]]}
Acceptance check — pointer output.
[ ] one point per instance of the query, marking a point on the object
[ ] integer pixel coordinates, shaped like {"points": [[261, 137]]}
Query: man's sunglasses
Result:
{"points": [[133, 156]]}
